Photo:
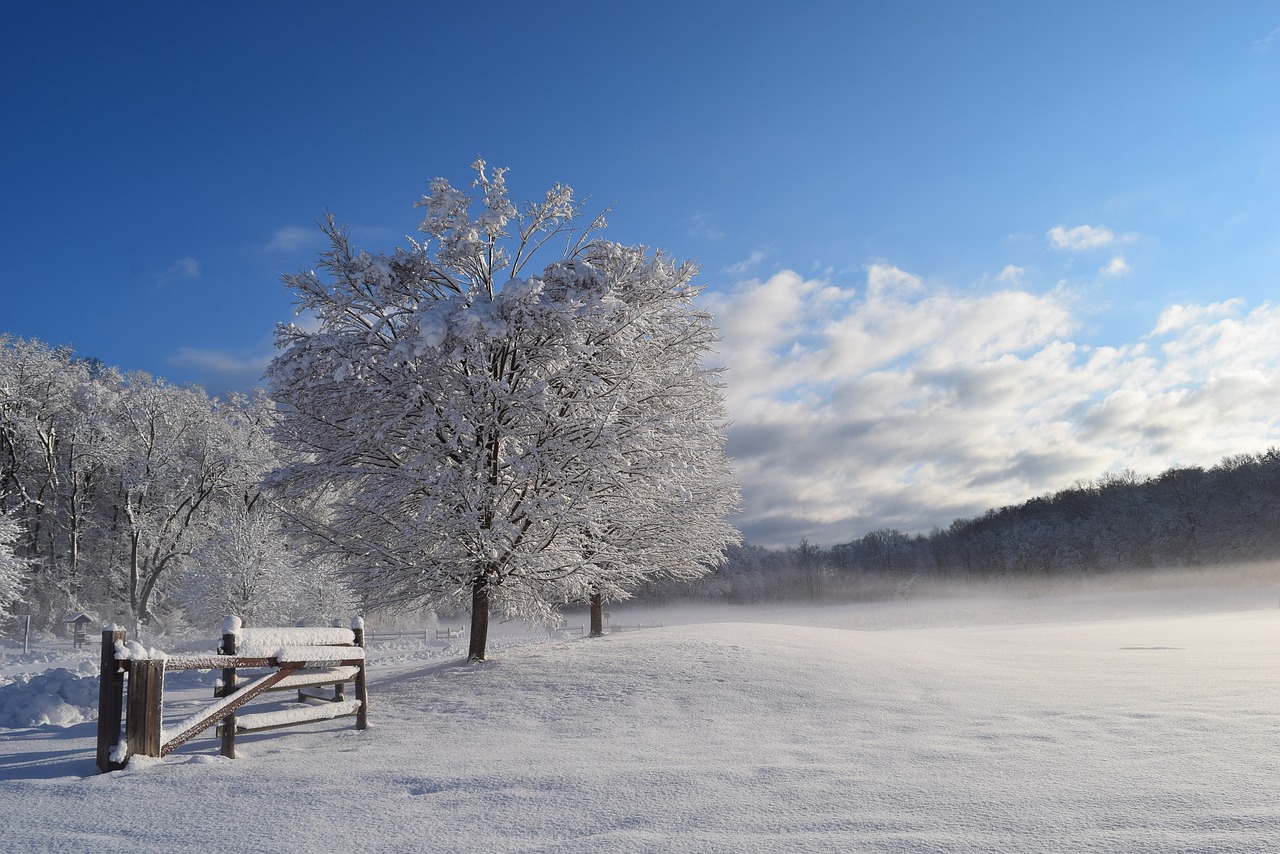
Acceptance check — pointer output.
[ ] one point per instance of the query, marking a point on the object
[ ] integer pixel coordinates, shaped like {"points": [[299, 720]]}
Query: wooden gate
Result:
{"points": [[300, 659]]}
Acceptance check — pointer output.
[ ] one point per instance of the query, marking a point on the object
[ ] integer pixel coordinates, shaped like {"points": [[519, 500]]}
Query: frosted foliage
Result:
{"points": [[532, 440], [11, 566], [117, 480], [246, 568]]}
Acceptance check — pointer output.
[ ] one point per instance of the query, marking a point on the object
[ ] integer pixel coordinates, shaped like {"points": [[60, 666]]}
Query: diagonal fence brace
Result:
{"points": [[202, 720]]}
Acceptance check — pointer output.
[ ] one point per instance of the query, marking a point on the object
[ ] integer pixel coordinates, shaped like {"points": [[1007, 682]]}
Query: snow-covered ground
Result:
{"points": [[1139, 721]]}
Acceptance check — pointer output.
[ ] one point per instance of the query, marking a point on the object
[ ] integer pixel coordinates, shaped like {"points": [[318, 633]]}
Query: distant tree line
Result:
{"points": [[1184, 518]]}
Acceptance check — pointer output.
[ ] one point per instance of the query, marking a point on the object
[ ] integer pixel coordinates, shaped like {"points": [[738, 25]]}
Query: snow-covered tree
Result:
{"points": [[11, 566], [56, 447], [187, 462], [244, 569], [469, 434], [661, 511]]}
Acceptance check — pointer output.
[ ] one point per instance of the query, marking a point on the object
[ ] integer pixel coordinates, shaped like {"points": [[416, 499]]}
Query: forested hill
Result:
{"points": [[1184, 518]]}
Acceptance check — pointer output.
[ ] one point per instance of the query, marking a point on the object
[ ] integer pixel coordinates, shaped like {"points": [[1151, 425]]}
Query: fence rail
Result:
{"points": [[425, 635], [297, 659], [581, 631]]}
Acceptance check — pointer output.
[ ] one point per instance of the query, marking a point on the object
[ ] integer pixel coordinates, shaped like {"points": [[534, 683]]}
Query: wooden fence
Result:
{"points": [[425, 635], [581, 631], [301, 659]]}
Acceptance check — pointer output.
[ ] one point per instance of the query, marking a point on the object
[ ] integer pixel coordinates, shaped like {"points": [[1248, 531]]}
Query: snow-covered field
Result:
{"points": [[1142, 721]]}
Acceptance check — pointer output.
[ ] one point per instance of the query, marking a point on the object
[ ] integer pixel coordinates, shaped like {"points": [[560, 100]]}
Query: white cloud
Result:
{"points": [[1080, 238], [1180, 317], [1263, 45], [1117, 267], [291, 238], [1011, 275], [746, 265], [908, 406], [218, 371], [180, 270]]}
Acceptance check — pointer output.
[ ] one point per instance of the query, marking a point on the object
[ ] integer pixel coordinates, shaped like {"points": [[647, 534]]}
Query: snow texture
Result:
{"points": [[1136, 722], [57, 697], [265, 641], [317, 653], [297, 714], [134, 651]]}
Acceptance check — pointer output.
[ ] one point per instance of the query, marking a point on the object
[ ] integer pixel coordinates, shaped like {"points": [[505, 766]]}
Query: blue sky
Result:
{"points": [[962, 254]]}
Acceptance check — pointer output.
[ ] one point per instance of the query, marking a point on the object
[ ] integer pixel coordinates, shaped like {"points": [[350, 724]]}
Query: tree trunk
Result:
{"points": [[597, 614], [479, 618]]}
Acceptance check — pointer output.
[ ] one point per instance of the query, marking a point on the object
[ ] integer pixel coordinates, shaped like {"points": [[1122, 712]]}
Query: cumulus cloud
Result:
{"points": [[1011, 275], [1179, 317], [1080, 238], [899, 404], [1117, 267], [180, 270]]}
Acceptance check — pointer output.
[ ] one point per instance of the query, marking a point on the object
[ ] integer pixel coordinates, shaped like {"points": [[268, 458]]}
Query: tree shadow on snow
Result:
{"points": [[457, 665], [67, 752]]}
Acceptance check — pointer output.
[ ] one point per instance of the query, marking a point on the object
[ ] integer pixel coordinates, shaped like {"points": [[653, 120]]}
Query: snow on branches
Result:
{"points": [[517, 443], [11, 566]]}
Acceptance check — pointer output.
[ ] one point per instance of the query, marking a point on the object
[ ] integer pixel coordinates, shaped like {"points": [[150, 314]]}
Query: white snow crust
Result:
{"points": [[298, 713], [1139, 722], [265, 641], [57, 697], [315, 653], [134, 651]]}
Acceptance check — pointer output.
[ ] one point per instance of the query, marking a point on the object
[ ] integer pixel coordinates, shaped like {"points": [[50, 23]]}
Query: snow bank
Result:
{"points": [[58, 697]]}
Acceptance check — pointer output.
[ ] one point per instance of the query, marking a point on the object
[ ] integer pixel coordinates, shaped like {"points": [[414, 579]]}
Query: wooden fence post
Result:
{"points": [[230, 628], [146, 702], [110, 699], [362, 687]]}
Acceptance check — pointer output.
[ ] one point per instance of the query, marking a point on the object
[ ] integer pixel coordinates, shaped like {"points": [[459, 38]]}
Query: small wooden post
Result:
{"points": [[146, 700], [230, 628], [110, 699], [362, 688]]}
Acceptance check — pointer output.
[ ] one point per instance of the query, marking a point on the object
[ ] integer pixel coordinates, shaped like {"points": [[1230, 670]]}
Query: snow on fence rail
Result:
{"points": [[301, 659]]}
